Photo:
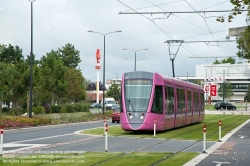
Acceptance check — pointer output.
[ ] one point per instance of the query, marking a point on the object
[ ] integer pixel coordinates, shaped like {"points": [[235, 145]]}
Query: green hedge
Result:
{"points": [[38, 110], [69, 108]]}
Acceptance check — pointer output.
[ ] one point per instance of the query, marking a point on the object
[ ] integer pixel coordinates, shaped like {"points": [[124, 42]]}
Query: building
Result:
{"points": [[7, 28], [237, 74], [116, 81]]}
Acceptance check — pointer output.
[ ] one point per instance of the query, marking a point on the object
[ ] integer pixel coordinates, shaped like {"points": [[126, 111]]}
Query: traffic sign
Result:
{"points": [[213, 90]]}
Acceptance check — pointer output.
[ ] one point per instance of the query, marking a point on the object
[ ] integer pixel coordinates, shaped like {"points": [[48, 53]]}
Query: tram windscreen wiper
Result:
{"points": [[130, 103]]}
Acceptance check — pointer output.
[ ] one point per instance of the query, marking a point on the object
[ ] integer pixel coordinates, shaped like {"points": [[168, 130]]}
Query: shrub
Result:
{"points": [[5, 109], [63, 109], [56, 109], [14, 122], [69, 108], [38, 110]]}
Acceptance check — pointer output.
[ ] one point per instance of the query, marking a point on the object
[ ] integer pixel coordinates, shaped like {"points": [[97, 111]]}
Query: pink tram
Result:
{"points": [[171, 102]]}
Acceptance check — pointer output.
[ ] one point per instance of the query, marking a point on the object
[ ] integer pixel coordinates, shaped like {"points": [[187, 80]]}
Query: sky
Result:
{"points": [[58, 22]]}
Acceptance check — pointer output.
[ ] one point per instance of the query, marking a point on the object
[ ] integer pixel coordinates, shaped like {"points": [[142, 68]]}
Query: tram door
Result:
{"points": [[169, 107], [181, 107], [189, 107], [195, 107]]}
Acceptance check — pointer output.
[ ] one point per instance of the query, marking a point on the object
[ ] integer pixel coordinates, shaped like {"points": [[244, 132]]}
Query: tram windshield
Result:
{"points": [[137, 94]]}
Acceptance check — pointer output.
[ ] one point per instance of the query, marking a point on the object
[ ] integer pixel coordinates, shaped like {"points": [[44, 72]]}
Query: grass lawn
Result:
{"points": [[86, 159], [191, 132]]}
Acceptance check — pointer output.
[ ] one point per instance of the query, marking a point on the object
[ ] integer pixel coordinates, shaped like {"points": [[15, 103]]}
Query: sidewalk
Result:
{"points": [[232, 150]]}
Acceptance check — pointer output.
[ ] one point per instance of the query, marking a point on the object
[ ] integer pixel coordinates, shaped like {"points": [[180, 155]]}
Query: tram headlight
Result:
{"points": [[142, 116], [130, 117]]}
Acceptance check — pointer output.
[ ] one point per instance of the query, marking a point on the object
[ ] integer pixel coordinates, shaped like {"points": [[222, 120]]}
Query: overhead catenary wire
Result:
{"points": [[157, 5], [170, 13], [207, 26], [186, 12]]}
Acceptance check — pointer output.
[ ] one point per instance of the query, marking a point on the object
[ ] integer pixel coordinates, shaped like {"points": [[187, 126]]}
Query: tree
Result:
{"points": [[247, 97], [91, 86], [227, 90], [53, 71], [69, 55], [75, 90], [216, 62], [238, 5], [243, 44], [114, 91], [228, 60], [10, 54]]}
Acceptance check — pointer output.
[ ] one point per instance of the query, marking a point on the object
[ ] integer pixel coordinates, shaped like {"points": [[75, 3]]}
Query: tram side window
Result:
{"points": [[202, 101], [166, 98], [170, 101], [189, 101], [158, 101]]}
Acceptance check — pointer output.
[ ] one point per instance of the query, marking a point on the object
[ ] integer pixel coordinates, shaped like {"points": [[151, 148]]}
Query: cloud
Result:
{"points": [[59, 22]]}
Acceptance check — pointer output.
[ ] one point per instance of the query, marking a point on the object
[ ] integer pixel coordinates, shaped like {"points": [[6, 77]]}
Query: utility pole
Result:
{"points": [[223, 86]]}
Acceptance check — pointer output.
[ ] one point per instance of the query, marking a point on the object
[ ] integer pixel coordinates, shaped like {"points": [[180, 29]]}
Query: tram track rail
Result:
{"points": [[166, 157], [195, 143]]}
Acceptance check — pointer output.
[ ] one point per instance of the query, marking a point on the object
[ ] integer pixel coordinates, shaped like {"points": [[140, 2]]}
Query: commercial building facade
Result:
{"points": [[237, 74]]}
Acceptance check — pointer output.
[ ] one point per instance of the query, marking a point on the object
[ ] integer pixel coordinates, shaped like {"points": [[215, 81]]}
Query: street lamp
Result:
{"points": [[104, 35], [31, 61], [133, 59], [135, 53]]}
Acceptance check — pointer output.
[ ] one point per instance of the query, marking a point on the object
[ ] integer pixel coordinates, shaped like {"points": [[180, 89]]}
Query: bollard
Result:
{"points": [[204, 138], [219, 131], [154, 127], [106, 138], [104, 125], [1, 141]]}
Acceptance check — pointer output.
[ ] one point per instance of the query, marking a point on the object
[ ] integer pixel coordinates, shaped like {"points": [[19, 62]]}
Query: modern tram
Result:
{"points": [[170, 102]]}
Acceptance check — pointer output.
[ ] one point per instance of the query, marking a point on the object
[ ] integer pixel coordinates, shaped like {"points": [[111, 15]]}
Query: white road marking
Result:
{"points": [[42, 138]]}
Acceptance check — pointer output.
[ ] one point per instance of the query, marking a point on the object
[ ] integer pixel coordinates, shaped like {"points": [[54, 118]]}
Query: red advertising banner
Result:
{"points": [[213, 90]]}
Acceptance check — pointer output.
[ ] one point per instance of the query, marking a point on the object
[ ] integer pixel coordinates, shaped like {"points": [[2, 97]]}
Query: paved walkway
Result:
{"points": [[234, 148]]}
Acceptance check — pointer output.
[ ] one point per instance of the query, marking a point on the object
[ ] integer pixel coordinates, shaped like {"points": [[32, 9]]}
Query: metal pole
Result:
{"points": [[31, 63], [206, 86], [106, 138], [1, 141], [204, 138], [173, 66], [220, 131], [246, 104], [223, 87], [103, 90], [135, 60]]}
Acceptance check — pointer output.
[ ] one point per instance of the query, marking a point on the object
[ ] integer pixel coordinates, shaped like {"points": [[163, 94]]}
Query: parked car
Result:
{"points": [[116, 114], [224, 105], [114, 106], [95, 105]]}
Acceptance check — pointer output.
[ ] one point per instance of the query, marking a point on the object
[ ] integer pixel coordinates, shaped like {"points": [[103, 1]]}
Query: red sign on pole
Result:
{"points": [[213, 90]]}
